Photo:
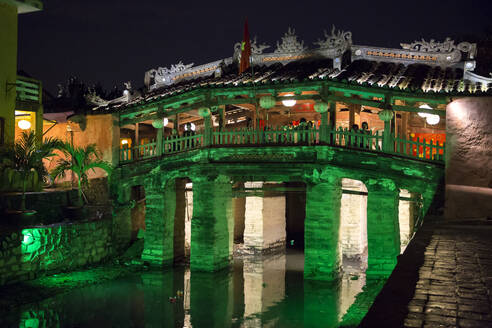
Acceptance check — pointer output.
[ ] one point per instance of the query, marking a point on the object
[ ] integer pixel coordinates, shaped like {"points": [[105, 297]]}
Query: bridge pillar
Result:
{"points": [[383, 231], [212, 225], [264, 220], [160, 207], [322, 224]]}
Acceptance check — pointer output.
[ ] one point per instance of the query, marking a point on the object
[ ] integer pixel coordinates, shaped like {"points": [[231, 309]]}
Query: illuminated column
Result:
{"points": [[207, 120], [211, 299], [386, 115], [264, 220], [405, 217], [179, 220], [212, 225], [159, 141], [239, 208], [264, 286], [159, 224], [321, 234], [383, 233], [353, 219]]}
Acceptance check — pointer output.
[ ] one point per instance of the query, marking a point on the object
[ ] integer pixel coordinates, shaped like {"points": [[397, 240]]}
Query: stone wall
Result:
{"points": [[31, 252], [468, 158]]}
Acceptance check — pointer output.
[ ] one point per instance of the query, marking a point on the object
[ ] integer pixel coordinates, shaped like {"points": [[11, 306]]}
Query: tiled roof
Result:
{"points": [[414, 78]]}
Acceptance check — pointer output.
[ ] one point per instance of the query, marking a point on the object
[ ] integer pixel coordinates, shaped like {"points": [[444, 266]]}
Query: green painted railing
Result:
{"points": [[173, 144], [282, 136], [139, 152]]}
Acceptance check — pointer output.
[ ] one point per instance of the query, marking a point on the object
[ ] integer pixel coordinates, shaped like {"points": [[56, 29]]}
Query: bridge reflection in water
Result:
{"points": [[256, 292]]}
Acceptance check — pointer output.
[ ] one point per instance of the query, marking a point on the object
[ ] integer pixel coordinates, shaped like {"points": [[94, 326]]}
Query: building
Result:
{"points": [[20, 97]]}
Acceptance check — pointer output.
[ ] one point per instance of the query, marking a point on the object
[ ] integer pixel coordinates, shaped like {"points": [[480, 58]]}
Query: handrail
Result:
{"points": [[283, 136]]}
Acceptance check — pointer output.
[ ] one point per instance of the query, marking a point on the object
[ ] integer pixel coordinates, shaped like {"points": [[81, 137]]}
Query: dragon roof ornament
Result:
{"points": [[289, 43], [447, 46], [164, 75], [337, 39]]}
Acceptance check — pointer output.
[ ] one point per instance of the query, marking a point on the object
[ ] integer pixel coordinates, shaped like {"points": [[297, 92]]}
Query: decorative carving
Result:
{"points": [[290, 43], [337, 39], [92, 98], [433, 46], [163, 74], [255, 48]]}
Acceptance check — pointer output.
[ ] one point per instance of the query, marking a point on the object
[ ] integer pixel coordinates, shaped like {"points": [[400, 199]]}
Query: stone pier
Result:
{"points": [[179, 220], [353, 216], [322, 255], [159, 224], [383, 232], [406, 217], [264, 220], [212, 225]]}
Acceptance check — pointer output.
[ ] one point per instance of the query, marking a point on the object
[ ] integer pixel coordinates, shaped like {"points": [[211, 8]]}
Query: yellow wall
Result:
{"points": [[8, 66], [99, 130]]}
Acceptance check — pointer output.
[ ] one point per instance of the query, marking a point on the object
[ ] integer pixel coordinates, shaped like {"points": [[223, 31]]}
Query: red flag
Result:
{"points": [[245, 49]]}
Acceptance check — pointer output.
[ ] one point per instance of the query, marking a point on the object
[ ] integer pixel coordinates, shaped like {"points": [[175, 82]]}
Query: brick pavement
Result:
{"points": [[444, 279]]}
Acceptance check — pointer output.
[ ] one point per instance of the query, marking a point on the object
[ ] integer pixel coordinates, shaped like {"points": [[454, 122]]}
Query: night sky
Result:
{"points": [[113, 41]]}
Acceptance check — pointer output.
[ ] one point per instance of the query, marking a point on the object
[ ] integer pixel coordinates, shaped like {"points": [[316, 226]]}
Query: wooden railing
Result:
{"points": [[282, 136], [173, 144]]}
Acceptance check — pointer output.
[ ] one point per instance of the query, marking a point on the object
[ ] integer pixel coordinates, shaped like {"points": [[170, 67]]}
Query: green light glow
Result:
{"points": [[28, 239]]}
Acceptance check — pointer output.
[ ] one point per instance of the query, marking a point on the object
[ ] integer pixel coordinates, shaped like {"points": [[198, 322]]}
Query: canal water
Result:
{"points": [[266, 291]]}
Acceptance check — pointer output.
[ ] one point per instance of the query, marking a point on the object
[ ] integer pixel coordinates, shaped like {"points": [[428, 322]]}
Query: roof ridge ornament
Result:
{"points": [[337, 39], [446, 46], [256, 49], [290, 43], [164, 75]]}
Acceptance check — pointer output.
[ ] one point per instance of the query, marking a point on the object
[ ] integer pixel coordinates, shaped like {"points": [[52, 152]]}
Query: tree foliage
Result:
{"points": [[79, 160]]}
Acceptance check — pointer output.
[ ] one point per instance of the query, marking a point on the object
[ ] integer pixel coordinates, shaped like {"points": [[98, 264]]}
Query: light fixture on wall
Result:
{"points": [[24, 124], [289, 102]]}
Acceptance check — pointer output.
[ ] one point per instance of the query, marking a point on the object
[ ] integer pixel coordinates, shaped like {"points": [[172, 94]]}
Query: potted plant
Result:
{"points": [[79, 160], [23, 165]]}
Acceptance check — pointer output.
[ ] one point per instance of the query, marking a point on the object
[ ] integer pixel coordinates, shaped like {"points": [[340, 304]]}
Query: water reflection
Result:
{"points": [[256, 292]]}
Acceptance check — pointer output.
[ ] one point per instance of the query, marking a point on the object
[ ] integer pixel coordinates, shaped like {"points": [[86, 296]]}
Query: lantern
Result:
{"points": [[267, 102], [424, 106], [386, 115], [24, 124], [320, 107], [158, 124], [289, 102], [204, 111], [432, 119]]}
